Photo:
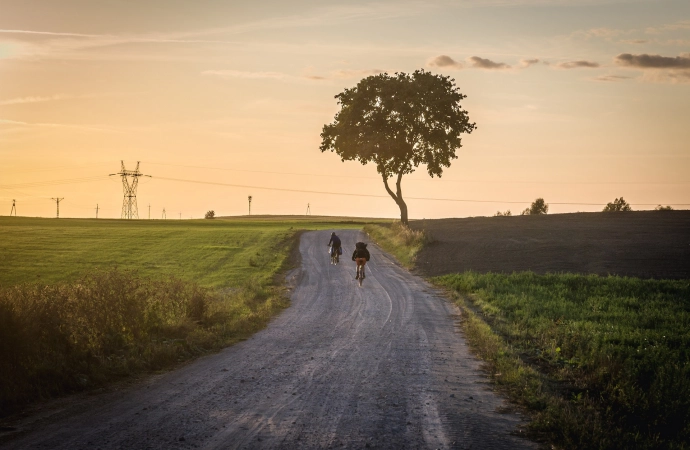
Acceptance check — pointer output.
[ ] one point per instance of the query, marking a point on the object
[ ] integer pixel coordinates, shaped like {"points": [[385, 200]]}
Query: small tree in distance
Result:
{"points": [[663, 208], [503, 214], [617, 205], [210, 215], [539, 206]]}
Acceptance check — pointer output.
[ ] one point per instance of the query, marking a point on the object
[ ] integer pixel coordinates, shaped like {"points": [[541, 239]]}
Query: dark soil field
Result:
{"points": [[645, 244]]}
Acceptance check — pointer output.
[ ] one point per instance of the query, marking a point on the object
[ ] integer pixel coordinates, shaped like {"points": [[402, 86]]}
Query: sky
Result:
{"points": [[578, 102]]}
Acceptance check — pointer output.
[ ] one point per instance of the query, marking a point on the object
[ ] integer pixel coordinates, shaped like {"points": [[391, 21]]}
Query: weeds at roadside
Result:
{"points": [[399, 240], [62, 338]]}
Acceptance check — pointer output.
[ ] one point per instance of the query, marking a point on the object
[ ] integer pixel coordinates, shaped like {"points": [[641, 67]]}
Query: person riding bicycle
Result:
{"points": [[360, 256], [335, 244]]}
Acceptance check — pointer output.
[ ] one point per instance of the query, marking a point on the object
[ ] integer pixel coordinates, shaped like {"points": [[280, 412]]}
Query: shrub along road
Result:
{"points": [[379, 366]]}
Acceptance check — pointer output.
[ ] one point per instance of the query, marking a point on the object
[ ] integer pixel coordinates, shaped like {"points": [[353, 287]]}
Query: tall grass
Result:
{"points": [[399, 240], [108, 324], [613, 352]]}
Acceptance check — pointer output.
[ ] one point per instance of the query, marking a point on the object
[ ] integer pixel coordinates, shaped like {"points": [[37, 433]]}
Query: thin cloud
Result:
{"points": [[483, 63], [524, 63], [611, 78], [577, 64], [646, 61], [247, 75], [635, 41], [33, 99], [444, 61]]}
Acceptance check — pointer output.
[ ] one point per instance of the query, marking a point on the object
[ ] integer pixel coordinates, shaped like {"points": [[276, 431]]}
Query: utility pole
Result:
{"points": [[308, 211], [14, 208], [149, 211], [96, 210], [164, 216], [250, 205], [57, 201], [129, 202]]}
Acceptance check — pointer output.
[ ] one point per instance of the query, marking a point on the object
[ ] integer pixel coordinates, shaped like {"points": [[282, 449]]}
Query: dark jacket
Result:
{"points": [[361, 251], [334, 242]]}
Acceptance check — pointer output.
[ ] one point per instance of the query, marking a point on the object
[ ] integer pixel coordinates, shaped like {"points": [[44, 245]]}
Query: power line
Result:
{"points": [[424, 179], [349, 194]]}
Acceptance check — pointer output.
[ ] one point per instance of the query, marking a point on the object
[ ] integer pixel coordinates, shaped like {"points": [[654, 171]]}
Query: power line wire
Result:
{"points": [[418, 179], [349, 194]]}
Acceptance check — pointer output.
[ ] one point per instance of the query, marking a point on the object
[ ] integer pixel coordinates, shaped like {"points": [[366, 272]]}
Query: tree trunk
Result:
{"points": [[397, 196]]}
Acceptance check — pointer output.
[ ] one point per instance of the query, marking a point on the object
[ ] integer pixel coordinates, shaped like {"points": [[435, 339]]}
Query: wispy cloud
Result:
{"points": [[280, 76], [611, 78], [680, 25], [483, 63], [635, 41], [524, 63], [645, 61], [33, 99], [445, 62], [577, 64], [247, 75], [658, 68]]}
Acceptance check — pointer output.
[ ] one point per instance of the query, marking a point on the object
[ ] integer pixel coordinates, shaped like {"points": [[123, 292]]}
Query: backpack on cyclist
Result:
{"points": [[361, 251]]}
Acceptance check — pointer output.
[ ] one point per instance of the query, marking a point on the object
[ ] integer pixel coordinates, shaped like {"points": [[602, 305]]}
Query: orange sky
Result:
{"points": [[576, 102]]}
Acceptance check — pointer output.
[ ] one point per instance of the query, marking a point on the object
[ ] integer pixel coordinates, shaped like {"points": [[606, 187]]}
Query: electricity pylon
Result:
{"points": [[57, 202], [164, 216], [250, 205], [96, 210], [14, 208], [129, 202], [308, 210]]}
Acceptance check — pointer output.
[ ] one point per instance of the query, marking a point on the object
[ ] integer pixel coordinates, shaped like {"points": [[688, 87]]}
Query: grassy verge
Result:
{"points": [[398, 240], [602, 362], [85, 302]]}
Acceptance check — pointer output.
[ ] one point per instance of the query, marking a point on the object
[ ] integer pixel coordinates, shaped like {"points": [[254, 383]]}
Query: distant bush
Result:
{"points": [[663, 208], [210, 215], [66, 337], [539, 206], [617, 205], [503, 214]]}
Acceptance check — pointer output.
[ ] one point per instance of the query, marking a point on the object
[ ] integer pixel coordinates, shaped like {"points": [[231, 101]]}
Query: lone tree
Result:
{"points": [[539, 206], [617, 205], [399, 122], [210, 214]]}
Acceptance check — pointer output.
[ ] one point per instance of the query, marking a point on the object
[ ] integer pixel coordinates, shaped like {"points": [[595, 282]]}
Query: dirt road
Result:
{"points": [[381, 366]]}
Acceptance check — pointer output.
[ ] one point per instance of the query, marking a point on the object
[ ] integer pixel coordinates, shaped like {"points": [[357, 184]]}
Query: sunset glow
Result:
{"points": [[575, 101]]}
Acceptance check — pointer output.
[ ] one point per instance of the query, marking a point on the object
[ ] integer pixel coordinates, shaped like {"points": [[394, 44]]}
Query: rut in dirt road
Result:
{"points": [[381, 366]]}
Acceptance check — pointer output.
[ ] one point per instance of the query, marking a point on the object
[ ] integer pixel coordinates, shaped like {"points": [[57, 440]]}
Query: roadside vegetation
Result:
{"points": [[601, 362], [398, 240], [598, 362], [86, 302]]}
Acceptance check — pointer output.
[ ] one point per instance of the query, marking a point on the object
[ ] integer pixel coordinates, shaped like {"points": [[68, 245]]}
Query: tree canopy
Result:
{"points": [[617, 205], [398, 122], [539, 206]]}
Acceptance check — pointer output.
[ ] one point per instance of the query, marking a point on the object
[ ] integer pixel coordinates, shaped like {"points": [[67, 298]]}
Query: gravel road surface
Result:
{"points": [[381, 366]]}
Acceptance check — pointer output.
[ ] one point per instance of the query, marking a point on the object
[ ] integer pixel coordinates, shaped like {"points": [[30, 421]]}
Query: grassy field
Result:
{"points": [[213, 253], [598, 362], [84, 302]]}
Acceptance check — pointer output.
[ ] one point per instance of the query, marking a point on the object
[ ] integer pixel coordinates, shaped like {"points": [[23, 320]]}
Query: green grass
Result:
{"points": [[602, 362], [398, 240], [85, 302], [213, 253]]}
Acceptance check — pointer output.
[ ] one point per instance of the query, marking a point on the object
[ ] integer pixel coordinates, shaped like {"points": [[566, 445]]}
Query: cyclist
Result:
{"points": [[360, 256], [335, 244]]}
